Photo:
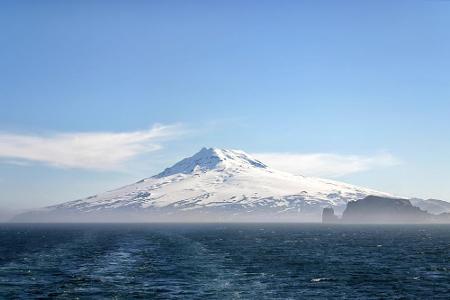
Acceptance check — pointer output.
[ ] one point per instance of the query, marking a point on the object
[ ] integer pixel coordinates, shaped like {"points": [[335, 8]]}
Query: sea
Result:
{"points": [[224, 261]]}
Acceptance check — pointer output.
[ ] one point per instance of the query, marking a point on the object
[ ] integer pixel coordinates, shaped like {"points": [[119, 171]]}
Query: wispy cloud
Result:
{"points": [[326, 164], [94, 150]]}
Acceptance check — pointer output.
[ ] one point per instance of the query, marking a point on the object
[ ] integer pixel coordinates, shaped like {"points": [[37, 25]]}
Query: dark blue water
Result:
{"points": [[224, 261]]}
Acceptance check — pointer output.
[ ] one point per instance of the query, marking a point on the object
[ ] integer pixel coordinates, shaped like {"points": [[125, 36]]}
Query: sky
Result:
{"points": [[99, 94]]}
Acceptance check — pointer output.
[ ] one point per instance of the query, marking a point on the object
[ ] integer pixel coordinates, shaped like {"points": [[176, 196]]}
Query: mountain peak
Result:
{"points": [[212, 158]]}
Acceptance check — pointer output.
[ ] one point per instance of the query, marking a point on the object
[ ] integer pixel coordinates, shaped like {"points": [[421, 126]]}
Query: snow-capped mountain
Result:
{"points": [[214, 184]]}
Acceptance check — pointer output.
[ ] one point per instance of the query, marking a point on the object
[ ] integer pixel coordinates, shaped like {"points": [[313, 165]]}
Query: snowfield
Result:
{"points": [[215, 184]]}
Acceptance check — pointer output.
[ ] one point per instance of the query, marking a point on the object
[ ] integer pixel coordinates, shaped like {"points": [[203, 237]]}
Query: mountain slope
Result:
{"points": [[213, 184], [432, 206]]}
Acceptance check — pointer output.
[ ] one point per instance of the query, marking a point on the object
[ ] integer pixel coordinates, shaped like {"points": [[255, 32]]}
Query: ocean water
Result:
{"points": [[224, 261]]}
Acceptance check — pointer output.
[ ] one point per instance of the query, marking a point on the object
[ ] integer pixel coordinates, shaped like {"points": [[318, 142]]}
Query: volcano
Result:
{"points": [[212, 185]]}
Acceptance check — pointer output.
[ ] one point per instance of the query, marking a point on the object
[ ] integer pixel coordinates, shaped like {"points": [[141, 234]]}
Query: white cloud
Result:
{"points": [[326, 164], [95, 150]]}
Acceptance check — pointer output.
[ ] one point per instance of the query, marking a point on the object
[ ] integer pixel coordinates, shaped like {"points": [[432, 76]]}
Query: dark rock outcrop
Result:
{"points": [[383, 210], [380, 210], [328, 216]]}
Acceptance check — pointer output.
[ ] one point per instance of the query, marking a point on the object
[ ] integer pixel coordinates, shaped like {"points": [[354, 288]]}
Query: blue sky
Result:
{"points": [[333, 84]]}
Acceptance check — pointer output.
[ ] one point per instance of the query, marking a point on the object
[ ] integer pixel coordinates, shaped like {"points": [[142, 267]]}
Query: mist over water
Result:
{"points": [[224, 261]]}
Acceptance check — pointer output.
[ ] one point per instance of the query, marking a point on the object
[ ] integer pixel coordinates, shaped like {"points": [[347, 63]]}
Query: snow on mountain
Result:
{"points": [[432, 206], [217, 184]]}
